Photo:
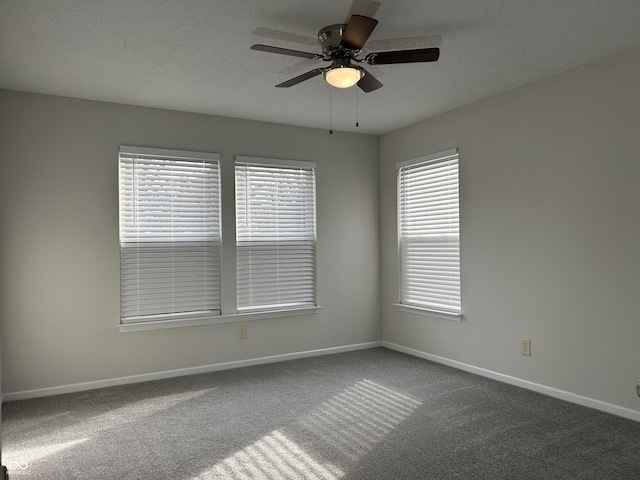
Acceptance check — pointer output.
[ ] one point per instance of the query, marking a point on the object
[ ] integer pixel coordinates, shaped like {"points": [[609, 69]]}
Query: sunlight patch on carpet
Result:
{"points": [[18, 461], [345, 428], [274, 456], [29, 452]]}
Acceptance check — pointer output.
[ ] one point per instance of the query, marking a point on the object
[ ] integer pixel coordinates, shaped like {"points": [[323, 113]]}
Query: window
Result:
{"points": [[429, 234], [169, 234], [275, 234]]}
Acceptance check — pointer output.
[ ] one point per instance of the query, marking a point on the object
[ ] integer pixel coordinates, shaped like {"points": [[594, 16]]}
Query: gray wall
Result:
{"points": [[59, 252], [549, 219], [550, 232]]}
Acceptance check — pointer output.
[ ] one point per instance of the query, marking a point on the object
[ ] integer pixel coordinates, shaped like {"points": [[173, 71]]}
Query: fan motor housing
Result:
{"points": [[330, 38]]}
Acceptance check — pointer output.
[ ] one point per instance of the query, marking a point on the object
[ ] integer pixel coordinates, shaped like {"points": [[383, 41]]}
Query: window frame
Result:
{"points": [[243, 285], [424, 307], [209, 247], [224, 316]]}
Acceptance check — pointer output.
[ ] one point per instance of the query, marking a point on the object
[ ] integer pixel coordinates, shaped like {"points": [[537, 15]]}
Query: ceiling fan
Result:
{"points": [[341, 45]]}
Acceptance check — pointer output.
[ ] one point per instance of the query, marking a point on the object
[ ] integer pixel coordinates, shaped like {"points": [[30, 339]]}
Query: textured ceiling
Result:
{"points": [[193, 55]]}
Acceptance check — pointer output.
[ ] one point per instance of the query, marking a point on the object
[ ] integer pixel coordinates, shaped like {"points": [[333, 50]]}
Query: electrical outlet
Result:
{"points": [[525, 347], [242, 332]]}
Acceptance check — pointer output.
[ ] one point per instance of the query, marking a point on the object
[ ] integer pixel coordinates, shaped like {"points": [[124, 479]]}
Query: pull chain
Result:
{"points": [[330, 113], [357, 123]]}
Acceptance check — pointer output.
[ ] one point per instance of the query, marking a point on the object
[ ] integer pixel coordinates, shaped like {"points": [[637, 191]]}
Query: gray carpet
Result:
{"points": [[373, 414]]}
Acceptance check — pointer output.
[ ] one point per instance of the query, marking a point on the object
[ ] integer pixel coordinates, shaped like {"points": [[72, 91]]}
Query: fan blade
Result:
{"points": [[299, 66], [285, 51], [403, 56], [368, 83], [368, 8], [357, 32], [405, 43], [301, 78]]}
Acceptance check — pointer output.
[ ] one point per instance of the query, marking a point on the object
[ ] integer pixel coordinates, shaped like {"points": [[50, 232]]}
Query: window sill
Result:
{"points": [[215, 319], [454, 317]]}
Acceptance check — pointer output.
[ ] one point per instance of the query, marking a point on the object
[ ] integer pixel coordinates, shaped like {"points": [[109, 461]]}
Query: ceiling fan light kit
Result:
{"points": [[341, 45], [343, 76]]}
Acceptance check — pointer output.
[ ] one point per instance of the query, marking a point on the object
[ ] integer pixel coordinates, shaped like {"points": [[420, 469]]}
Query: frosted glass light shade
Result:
{"points": [[343, 77]]}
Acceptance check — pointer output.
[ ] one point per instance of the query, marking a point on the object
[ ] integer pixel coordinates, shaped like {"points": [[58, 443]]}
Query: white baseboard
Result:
{"points": [[536, 387], [78, 387], [545, 390]]}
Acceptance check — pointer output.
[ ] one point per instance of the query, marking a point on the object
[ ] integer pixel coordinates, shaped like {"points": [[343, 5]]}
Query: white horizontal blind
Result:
{"points": [[275, 234], [429, 233], [169, 234]]}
